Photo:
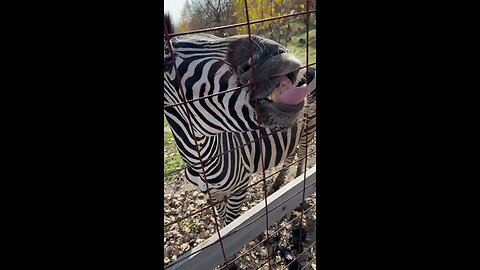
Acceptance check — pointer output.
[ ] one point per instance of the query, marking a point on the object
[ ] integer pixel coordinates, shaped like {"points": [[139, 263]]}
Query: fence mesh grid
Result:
{"points": [[227, 262]]}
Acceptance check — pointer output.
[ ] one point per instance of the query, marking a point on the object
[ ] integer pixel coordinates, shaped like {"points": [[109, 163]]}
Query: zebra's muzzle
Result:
{"points": [[283, 105], [287, 94]]}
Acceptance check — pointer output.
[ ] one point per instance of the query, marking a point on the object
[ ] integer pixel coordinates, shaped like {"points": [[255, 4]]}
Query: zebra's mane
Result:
{"points": [[168, 22]]}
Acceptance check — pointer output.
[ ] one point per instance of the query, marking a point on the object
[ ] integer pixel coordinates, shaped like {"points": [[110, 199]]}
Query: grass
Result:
{"points": [[173, 161], [299, 49], [165, 123], [188, 223]]}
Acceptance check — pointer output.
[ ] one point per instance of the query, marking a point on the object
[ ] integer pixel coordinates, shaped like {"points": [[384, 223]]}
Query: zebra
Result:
{"points": [[222, 137]]}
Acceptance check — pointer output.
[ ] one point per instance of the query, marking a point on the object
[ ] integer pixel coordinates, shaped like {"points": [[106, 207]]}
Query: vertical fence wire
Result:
{"points": [[258, 121], [217, 227], [306, 138]]}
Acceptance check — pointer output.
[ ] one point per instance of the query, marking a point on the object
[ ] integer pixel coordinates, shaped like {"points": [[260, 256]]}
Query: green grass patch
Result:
{"points": [[188, 223], [165, 123], [298, 47], [173, 161], [168, 139], [296, 42]]}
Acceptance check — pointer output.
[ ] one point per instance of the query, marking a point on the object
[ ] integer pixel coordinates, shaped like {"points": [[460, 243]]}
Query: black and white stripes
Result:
{"points": [[221, 132]]}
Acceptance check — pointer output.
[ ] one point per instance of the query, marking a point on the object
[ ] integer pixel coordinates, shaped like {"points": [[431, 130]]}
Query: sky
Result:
{"points": [[174, 8]]}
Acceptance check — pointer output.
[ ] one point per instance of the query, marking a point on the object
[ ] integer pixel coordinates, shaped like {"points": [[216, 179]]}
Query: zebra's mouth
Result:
{"points": [[277, 78], [286, 93], [281, 106], [276, 98], [281, 90]]}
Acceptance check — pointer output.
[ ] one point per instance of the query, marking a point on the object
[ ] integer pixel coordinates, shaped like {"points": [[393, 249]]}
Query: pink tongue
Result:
{"points": [[289, 94]]}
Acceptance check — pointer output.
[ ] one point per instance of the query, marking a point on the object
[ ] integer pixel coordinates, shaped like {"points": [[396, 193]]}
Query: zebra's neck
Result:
{"points": [[205, 83], [217, 114]]}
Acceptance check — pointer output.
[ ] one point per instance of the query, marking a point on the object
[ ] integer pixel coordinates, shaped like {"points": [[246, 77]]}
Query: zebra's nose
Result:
{"points": [[284, 84]]}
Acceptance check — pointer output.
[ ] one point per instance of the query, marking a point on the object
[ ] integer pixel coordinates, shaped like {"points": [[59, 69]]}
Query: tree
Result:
{"points": [[263, 9], [200, 14]]}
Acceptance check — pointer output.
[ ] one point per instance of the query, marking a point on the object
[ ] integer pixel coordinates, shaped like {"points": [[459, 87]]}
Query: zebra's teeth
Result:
{"points": [[274, 95]]}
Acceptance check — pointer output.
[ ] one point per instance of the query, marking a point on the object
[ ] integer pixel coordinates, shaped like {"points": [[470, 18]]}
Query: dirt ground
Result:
{"points": [[182, 198]]}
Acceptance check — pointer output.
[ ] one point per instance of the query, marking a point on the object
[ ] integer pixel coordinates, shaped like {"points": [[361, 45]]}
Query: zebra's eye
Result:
{"points": [[166, 51], [245, 68]]}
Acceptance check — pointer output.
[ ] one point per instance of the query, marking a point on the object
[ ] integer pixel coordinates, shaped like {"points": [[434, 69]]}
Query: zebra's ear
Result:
{"points": [[168, 21], [167, 59]]}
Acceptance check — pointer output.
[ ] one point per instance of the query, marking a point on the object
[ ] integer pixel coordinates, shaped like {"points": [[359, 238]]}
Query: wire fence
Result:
{"points": [[269, 235]]}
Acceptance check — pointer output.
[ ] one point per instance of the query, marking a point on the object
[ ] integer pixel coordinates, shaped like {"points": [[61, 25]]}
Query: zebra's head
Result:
{"points": [[277, 74], [209, 65]]}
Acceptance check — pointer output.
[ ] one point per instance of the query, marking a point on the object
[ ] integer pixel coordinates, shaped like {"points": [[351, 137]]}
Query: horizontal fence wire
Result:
{"points": [[236, 24], [240, 228], [226, 91], [308, 263], [266, 239], [265, 262], [257, 110], [236, 193], [301, 254], [306, 137], [226, 236], [210, 203], [261, 137], [182, 94], [223, 153]]}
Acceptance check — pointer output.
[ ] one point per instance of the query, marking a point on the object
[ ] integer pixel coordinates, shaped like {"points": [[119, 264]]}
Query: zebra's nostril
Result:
{"points": [[245, 68], [283, 84]]}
